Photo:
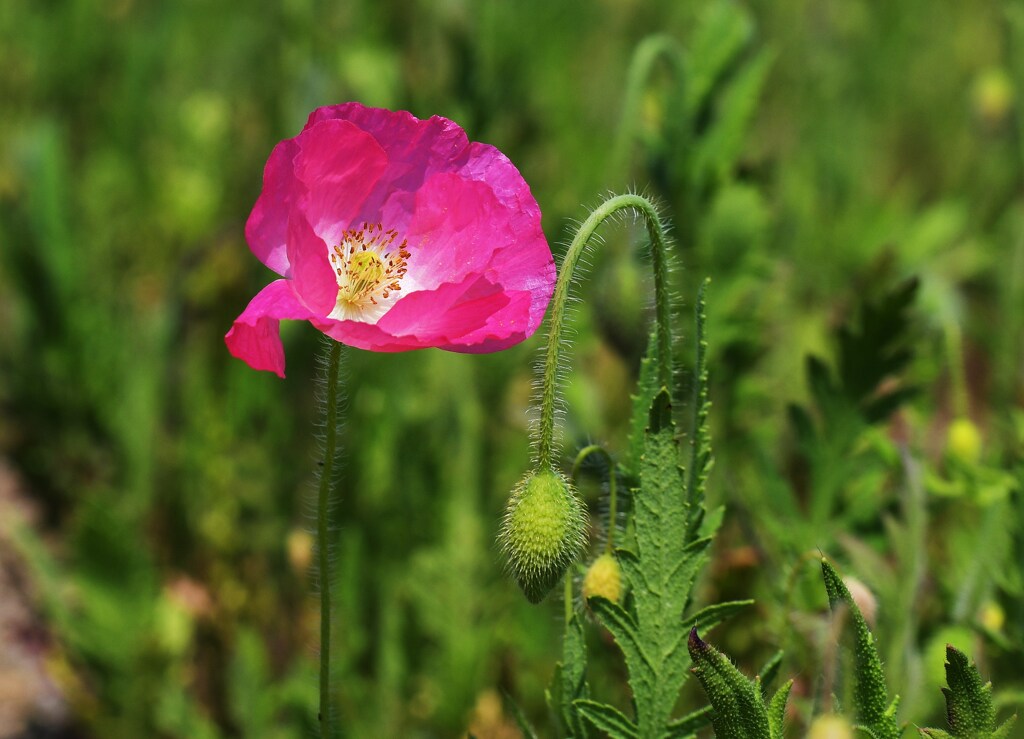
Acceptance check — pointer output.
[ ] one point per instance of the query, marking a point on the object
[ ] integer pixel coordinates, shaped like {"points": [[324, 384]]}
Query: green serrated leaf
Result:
{"points": [[710, 616], [623, 629], [739, 710], [660, 571], [970, 710], [569, 682], [688, 725], [969, 707], [607, 719], [701, 459], [877, 347], [777, 710], [870, 695], [647, 386]]}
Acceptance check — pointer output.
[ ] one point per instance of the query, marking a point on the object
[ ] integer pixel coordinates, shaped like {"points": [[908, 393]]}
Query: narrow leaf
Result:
{"points": [[570, 680], [607, 719], [870, 695], [700, 434], [614, 618], [689, 724], [710, 616], [777, 710], [739, 710]]}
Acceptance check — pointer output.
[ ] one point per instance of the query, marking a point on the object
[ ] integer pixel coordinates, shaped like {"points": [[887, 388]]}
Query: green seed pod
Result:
{"points": [[603, 578], [542, 532]]}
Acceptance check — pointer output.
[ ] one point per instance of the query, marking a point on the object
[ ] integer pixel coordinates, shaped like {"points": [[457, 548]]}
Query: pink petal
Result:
{"points": [[459, 227], [456, 227], [445, 313], [339, 165], [254, 337], [415, 150], [268, 223], [313, 277], [504, 328], [424, 319]]}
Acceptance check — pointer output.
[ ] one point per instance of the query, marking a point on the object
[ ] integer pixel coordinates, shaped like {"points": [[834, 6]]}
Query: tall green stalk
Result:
{"points": [[323, 542]]}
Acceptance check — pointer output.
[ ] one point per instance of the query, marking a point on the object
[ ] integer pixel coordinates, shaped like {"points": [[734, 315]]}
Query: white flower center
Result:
{"points": [[369, 269]]}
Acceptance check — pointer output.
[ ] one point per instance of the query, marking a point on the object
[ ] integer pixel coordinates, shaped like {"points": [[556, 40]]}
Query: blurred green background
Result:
{"points": [[155, 493]]}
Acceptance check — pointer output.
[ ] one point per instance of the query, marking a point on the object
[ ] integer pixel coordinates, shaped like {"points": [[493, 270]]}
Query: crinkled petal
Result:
{"points": [[427, 318], [459, 227], [255, 337], [339, 166], [267, 227], [456, 227], [415, 150], [504, 328]]}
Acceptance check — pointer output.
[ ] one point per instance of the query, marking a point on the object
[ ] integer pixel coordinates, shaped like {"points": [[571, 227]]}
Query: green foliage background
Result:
{"points": [[812, 157]]}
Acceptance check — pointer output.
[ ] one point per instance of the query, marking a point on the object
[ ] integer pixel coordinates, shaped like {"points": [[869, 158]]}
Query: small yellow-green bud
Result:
{"points": [[830, 726], [603, 578], [542, 532], [992, 616], [963, 441], [992, 96]]}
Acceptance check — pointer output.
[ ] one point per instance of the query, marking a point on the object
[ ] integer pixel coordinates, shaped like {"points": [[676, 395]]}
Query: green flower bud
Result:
{"points": [[603, 578], [542, 532]]}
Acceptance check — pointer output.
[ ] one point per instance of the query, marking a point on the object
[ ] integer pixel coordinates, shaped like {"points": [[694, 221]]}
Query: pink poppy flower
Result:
{"points": [[390, 234]]}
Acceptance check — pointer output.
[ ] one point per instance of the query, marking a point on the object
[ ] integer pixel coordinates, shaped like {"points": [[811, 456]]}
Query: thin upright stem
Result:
{"points": [[659, 248], [323, 541]]}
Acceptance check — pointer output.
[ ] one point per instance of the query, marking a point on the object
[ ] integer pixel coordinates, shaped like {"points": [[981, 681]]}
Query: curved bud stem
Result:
{"points": [[585, 452], [659, 248], [646, 56], [323, 542]]}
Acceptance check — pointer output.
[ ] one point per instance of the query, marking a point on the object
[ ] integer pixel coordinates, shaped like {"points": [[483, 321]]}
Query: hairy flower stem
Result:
{"points": [[323, 542], [659, 247]]}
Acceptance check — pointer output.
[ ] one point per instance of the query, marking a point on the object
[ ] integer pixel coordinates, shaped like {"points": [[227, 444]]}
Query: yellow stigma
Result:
{"points": [[369, 270], [366, 265]]}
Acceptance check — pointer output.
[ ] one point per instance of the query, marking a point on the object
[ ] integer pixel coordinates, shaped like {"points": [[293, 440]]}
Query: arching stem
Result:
{"points": [[641, 67], [659, 247], [609, 544]]}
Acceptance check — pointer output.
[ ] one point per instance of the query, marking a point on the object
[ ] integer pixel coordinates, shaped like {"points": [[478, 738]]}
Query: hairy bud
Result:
{"points": [[603, 578], [542, 532]]}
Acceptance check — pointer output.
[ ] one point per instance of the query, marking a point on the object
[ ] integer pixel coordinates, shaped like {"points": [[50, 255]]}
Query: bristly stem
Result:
{"points": [[323, 542], [659, 248]]}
